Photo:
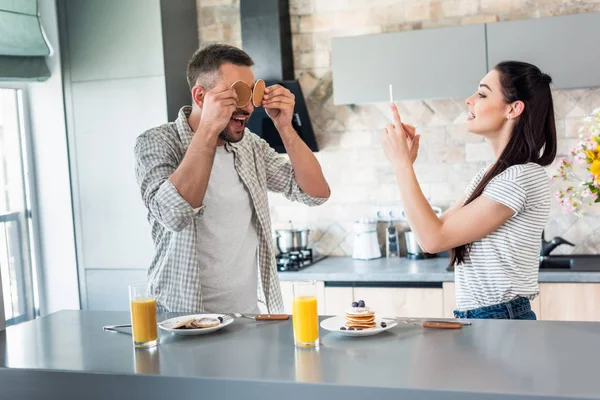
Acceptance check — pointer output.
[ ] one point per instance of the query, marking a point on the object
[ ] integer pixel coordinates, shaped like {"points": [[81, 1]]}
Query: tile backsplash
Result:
{"points": [[349, 137]]}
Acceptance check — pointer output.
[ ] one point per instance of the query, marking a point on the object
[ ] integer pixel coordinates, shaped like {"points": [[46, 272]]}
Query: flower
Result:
{"points": [[581, 192], [595, 168]]}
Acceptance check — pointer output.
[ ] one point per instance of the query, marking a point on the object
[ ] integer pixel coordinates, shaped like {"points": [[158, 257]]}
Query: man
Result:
{"points": [[204, 180]]}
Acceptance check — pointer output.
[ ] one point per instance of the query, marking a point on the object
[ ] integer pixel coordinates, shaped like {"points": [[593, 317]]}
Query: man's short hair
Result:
{"points": [[205, 63]]}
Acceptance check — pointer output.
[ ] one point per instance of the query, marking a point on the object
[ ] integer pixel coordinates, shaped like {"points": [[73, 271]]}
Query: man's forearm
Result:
{"points": [[307, 170], [193, 173]]}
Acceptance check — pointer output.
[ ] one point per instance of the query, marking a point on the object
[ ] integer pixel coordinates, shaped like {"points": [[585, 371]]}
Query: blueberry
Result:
{"points": [[354, 304], [383, 324], [220, 319], [343, 328], [359, 329], [351, 329], [361, 303]]}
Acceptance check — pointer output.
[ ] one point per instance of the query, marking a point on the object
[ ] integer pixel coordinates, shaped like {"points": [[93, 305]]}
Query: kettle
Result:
{"points": [[413, 250], [366, 243]]}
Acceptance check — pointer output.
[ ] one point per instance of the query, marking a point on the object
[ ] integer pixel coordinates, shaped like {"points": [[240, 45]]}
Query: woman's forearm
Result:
{"points": [[422, 219]]}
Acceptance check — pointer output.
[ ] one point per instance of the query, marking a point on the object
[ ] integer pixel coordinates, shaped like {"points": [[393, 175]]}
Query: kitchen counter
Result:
{"points": [[67, 355], [342, 270]]}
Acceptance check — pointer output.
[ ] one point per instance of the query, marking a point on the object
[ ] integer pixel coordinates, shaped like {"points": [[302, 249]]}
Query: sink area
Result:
{"points": [[572, 262]]}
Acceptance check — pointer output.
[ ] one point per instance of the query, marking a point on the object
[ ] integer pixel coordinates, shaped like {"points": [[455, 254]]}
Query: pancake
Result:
{"points": [[182, 323], [206, 323], [360, 317], [243, 91], [258, 92]]}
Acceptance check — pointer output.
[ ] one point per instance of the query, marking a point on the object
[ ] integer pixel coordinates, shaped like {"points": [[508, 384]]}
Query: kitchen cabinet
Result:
{"points": [[556, 301], [403, 302], [338, 299], [417, 63], [559, 46], [449, 299], [286, 294], [108, 289], [127, 59], [570, 301]]}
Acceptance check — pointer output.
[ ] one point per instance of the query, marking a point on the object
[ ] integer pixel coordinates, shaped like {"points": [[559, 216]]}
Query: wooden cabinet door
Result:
{"points": [[449, 299], [536, 306], [337, 300], [570, 301], [403, 302], [286, 294]]}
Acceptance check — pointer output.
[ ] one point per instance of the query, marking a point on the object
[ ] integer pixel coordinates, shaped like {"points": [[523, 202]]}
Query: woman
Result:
{"points": [[494, 230]]}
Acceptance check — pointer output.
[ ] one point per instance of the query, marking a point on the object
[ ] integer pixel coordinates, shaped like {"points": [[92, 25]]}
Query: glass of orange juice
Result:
{"points": [[305, 318], [143, 316]]}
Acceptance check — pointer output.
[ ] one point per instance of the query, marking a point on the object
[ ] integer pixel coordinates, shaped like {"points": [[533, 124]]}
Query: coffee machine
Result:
{"points": [[366, 243]]}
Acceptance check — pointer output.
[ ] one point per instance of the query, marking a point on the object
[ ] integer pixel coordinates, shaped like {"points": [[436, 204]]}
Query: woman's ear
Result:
{"points": [[198, 93], [516, 109]]}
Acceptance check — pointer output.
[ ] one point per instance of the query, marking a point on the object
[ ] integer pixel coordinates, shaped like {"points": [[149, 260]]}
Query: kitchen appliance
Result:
{"points": [[391, 241], [366, 243], [291, 239], [297, 260], [413, 250]]}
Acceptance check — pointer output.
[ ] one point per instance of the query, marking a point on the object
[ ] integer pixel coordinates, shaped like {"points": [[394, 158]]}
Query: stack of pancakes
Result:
{"points": [[360, 318]]}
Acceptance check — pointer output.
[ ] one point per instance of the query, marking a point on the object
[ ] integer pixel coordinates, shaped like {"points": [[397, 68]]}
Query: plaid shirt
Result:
{"points": [[173, 273]]}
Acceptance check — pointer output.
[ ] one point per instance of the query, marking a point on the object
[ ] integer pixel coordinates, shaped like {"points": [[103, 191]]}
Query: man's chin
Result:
{"points": [[232, 137]]}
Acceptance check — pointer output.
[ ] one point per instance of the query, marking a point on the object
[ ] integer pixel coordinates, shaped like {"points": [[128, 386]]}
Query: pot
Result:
{"points": [[291, 239], [413, 250]]}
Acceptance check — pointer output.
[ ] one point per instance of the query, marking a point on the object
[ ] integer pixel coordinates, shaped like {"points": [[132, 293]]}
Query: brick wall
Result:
{"points": [[349, 137]]}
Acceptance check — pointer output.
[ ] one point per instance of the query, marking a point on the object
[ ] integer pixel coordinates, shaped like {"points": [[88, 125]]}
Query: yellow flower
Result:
{"points": [[590, 154], [595, 168]]}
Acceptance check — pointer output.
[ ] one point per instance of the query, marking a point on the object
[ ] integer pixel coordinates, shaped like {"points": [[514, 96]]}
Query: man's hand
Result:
{"points": [[217, 108], [279, 105]]}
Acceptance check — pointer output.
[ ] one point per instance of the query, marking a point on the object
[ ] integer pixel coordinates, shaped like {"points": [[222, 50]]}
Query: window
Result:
{"points": [[17, 261]]}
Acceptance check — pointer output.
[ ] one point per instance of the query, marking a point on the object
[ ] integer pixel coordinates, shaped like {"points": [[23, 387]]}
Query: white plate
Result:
{"points": [[168, 324], [334, 324]]}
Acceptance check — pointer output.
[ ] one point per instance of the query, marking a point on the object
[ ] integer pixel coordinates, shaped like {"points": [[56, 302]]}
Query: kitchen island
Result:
{"points": [[68, 355]]}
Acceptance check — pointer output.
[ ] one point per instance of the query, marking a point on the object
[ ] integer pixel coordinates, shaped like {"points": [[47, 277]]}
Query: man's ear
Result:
{"points": [[198, 94], [516, 109]]}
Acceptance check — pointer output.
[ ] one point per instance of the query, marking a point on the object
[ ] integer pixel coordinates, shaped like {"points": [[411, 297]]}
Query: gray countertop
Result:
{"points": [[384, 270], [66, 354]]}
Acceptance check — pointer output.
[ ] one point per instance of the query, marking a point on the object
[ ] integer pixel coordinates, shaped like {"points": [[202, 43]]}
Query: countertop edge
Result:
{"points": [[402, 270]]}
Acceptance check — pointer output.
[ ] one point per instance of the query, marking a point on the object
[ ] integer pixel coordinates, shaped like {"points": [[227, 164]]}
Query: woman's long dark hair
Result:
{"points": [[534, 136]]}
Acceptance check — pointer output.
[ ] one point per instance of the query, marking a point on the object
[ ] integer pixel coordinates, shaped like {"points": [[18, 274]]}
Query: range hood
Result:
{"points": [[267, 38]]}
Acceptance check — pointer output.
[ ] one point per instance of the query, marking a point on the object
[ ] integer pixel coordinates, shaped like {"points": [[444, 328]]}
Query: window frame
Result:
{"points": [[34, 287]]}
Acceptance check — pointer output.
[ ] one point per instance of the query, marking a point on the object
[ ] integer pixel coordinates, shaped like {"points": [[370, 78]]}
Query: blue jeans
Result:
{"points": [[519, 308]]}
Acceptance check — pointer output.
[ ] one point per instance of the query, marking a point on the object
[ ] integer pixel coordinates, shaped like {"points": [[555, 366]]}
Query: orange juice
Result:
{"points": [[143, 320], [305, 319]]}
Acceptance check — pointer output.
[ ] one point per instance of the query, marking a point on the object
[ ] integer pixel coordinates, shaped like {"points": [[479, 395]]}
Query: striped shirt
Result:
{"points": [[504, 264], [173, 273]]}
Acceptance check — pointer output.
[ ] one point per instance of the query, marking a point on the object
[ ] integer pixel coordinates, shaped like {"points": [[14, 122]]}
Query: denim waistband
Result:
{"points": [[508, 310]]}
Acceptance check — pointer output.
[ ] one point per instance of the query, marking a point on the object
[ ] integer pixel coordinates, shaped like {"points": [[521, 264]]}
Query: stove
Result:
{"points": [[297, 260]]}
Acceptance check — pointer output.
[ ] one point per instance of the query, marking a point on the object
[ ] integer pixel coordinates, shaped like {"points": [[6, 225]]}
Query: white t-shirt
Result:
{"points": [[227, 242], [504, 264]]}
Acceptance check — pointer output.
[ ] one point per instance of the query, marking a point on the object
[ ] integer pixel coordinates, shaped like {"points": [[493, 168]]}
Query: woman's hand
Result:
{"points": [[400, 143]]}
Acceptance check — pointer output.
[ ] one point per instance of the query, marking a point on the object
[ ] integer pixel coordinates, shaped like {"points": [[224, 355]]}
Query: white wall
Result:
{"points": [[59, 289]]}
